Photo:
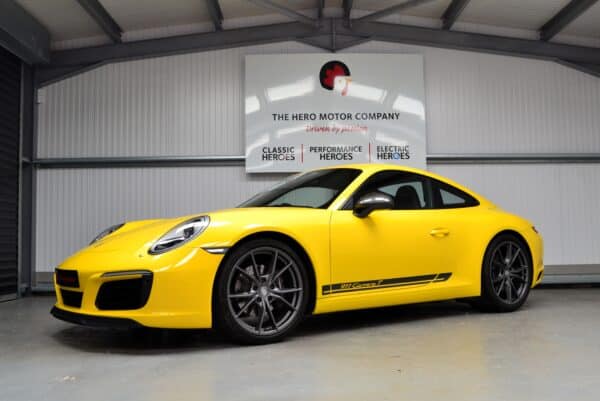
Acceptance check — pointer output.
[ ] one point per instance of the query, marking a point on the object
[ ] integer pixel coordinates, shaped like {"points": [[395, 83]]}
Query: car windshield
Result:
{"points": [[314, 189]]}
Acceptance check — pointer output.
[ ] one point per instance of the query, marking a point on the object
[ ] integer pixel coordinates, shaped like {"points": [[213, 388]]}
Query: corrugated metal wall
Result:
{"points": [[76, 204], [193, 105], [560, 199]]}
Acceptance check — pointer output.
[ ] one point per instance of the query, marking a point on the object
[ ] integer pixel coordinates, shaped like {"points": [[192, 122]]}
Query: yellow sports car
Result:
{"points": [[332, 239]]}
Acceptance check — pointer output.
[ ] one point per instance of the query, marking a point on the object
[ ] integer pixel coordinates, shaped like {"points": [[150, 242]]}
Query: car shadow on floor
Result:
{"points": [[156, 341], [368, 318], [142, 341]]}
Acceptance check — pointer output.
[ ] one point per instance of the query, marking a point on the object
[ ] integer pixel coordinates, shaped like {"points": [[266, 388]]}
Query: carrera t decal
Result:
{"points": [[384, 283]]}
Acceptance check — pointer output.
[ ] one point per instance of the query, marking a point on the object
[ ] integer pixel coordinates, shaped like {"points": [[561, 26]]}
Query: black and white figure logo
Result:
{"points": [[335, 76]]}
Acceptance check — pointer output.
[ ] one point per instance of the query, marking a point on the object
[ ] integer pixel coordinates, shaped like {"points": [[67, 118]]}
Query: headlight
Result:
{"points": [[179, 235], [106, 232]]}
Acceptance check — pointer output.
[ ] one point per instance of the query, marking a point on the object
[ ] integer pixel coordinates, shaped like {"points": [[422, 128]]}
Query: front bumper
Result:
{"points": [[96, 321], [179, 293]]}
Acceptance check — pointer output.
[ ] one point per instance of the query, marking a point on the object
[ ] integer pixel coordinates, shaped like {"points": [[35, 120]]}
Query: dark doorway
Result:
{"points": [[10, 101]]}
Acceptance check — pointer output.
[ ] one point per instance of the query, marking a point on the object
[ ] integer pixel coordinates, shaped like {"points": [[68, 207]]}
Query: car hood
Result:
{"points": [[128, 246], [135, 235], [138, 236]]}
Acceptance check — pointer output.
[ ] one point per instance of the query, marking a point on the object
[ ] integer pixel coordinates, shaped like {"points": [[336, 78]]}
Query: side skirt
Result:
{"points": [[384, 283]]}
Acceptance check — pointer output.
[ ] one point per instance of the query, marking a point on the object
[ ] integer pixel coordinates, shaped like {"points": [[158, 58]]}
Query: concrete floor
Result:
{"points": [[549, 350]]}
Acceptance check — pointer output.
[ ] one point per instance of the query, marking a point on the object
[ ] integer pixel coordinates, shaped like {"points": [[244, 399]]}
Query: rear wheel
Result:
{"points": [[506, 275], [261, 293]]}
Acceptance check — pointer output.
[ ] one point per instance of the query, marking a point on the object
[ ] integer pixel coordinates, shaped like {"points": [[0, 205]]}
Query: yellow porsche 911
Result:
{"points": [[332, 239]]}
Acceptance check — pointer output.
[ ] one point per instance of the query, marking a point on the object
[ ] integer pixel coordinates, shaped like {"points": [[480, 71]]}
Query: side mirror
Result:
{"points": [[372, 201]]}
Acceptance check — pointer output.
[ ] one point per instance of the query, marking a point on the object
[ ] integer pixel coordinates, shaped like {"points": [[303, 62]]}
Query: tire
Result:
{"points": [[261, 292], [506, 275]]}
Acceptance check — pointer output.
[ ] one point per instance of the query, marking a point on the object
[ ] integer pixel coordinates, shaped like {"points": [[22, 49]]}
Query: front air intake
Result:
{"points": [[71, 298], [124, 294]]}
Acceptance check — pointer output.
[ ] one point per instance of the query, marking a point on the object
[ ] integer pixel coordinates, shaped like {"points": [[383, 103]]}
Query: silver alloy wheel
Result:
{"points": [[509, 272], [265, 290]]}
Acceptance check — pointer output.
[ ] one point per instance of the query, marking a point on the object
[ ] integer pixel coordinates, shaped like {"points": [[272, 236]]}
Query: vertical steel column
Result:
{"points": [[27, 181]]}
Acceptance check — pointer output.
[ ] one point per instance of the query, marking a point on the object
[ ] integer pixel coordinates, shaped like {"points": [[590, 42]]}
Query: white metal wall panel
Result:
{"points": [[74, 205], [560, 200], [181, 105], [192, 105], [485, 103]]}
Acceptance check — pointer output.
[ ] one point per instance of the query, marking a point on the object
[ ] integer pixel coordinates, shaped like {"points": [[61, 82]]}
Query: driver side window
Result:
{"points": [[410, 191]]}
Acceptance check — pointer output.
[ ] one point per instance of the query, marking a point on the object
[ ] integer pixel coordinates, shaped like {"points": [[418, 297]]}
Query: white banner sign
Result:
{"points": [[312, 110]]}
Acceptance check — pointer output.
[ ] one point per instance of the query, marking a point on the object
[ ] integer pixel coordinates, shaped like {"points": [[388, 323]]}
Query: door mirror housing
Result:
{"points": [[371, 202]]}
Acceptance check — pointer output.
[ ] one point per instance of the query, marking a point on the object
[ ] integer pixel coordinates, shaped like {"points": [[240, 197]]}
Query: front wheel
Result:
{"points": [[506, 275], [261, 292]]}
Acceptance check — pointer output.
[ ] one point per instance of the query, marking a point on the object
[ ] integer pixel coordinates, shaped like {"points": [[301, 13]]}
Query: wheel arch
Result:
{"points": [[514, 233], [289, 241]]}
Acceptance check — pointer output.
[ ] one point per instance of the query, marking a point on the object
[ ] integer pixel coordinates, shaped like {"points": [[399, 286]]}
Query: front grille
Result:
{"points": [[71, 298], [67, 278], [124, 294]]}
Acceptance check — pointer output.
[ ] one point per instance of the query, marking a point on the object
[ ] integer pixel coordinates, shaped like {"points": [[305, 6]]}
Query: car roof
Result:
{"points": [[373, 167]]}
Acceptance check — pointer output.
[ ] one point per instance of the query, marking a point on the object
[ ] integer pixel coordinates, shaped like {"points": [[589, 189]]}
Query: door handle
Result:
{"points": [[439, 232]]}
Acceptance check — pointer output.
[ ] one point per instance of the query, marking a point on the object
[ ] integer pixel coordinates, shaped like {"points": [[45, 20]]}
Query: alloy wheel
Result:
{"points": [[265, 290], [509, 272]]}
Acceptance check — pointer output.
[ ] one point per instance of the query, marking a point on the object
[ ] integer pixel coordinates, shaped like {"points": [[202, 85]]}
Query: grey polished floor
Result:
{"points": [[550, 350]]}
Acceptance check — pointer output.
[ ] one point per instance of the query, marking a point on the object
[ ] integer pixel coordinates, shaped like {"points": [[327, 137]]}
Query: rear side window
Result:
{"points": [[446, 197], [413, 191]]}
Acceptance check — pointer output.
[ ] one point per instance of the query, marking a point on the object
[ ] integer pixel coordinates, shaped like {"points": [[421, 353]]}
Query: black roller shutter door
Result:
{"points": [[10, 101]]}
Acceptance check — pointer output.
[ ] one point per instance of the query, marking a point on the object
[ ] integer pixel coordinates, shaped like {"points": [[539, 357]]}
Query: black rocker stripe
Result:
{"points": [[442, 277], [384, 283]]}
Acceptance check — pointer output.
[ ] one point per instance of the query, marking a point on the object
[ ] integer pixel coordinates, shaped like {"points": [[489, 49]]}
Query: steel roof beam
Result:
{"points": [[294, 30], [85, 57], [392, 10], [285, 11], [320, 6], [325, 42], [216, 15], [590, 69], [347, 4], [453, 12], [103, 19], [22, 34], [184, 44], [564, 17], [475, 42]]}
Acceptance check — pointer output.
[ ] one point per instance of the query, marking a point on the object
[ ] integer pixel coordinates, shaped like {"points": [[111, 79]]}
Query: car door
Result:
{"points": [[391, 249]]}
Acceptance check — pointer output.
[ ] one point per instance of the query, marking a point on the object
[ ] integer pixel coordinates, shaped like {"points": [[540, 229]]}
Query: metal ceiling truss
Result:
{"points": [[453, 12], [377, 15], [564, 17], [216, 15], [347, 6], [271, 5], [22, 35], [103, 19], [320, 7], [591, 69], [331, 34]]}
